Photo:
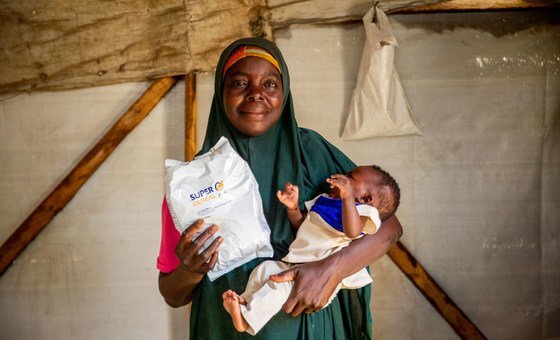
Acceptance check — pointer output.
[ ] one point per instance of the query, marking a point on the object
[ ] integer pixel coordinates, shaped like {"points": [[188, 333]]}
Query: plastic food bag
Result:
{"points": [[378, 106], [219, 187]]}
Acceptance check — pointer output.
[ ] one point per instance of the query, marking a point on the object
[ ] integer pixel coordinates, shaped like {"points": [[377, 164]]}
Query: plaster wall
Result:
{"points": [[480, 194], [90, 274]]}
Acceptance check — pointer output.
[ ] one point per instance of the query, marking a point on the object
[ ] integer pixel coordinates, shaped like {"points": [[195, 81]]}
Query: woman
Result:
{"points": [[252, 107]]}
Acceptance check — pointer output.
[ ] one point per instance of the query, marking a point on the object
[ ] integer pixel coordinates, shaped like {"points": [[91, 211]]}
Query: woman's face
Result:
{"points": [[253, 95]]}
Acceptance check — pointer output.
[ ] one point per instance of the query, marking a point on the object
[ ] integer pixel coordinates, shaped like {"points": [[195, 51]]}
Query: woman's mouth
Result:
{"points": [[256, 115]]}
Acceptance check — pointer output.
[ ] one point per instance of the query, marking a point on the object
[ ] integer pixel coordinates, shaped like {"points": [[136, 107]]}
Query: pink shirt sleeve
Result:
{"points": [[167, 261]]}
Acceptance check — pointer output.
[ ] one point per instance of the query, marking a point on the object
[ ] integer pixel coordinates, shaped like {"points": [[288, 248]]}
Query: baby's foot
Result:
{"points": [[231, 304]]}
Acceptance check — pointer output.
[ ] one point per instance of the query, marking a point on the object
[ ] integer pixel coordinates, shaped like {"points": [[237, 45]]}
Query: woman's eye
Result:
{"points": [[238, 83], [270, 84]]}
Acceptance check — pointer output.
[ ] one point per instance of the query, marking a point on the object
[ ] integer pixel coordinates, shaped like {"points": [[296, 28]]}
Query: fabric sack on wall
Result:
{"points": [[219, 187], [378, 106]]}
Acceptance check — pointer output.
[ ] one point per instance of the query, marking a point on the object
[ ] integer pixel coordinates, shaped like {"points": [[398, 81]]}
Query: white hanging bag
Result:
{"points": [[378, 106]]}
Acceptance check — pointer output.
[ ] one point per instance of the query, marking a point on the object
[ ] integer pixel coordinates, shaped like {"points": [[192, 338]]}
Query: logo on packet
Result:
{"points": [[219, 185], [207, 194]]}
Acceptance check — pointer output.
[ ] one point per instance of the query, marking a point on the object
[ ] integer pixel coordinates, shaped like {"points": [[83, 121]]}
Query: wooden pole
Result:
{"points": [[190, 116], [70, 185], [474, 5], [443, 304]]}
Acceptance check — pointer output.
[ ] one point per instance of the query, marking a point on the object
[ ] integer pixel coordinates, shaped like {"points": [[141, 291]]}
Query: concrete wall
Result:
{"points": [[480, 194]]}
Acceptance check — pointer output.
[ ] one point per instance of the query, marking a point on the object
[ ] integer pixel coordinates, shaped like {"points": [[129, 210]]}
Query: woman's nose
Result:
{"points": [[255, 94]]}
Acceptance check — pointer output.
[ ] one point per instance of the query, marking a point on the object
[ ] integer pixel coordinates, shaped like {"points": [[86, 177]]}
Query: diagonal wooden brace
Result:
{"points": [[443, 304], [70, 185]]}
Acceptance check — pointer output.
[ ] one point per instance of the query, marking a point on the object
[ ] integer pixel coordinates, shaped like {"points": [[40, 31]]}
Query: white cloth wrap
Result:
{"points": [[315, 240]]}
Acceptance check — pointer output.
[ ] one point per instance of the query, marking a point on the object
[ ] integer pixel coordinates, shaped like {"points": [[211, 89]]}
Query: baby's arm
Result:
{"points": [[351, 221], [289, 197]]}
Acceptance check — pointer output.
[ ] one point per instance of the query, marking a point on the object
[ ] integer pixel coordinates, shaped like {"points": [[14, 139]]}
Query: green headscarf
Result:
{"points": [[285, 153]]}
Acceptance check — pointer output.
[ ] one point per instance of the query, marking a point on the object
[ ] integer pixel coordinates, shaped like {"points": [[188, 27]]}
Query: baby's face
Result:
{"points": [[363, 180]]}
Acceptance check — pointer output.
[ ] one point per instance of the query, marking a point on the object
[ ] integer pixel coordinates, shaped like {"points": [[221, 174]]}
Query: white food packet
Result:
{"points": [[219, 187]]}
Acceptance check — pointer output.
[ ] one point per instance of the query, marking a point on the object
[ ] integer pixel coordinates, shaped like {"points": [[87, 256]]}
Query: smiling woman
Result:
{"points": [[253, 95], [252, 107]]}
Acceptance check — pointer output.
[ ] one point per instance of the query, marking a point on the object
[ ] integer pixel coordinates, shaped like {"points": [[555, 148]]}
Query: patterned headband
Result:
{"points": [[249, 51]]}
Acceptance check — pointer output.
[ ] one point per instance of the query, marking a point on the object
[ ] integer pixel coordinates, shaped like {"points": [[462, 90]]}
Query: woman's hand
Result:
{"points": [[177, 287], [314, 283], [188, 247]]}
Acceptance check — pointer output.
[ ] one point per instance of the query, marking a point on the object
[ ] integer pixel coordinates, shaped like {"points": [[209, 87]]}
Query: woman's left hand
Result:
{"points": [[314, 283]]}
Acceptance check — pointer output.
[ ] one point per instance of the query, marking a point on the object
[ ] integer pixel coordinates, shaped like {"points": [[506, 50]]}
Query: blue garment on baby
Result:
{"points": [[330, 209]]}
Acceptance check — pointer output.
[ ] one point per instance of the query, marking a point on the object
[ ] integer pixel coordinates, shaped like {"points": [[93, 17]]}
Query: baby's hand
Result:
{"points": [[289, 196], [343, 184]]}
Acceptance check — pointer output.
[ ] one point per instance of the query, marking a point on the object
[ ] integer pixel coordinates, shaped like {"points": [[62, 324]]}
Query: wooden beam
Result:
{"points": [[190, 116], [443, 304], [70, 185], [474, 5], [285, 13]]}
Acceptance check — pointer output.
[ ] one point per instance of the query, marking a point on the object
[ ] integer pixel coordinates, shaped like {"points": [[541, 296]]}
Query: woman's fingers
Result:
{"points": [[211, 249], [313, 285], [293, 306], [189, 232], [213, 259], [199, 241], [297, 310], [310, 310], [285, 276], [188, 248]]}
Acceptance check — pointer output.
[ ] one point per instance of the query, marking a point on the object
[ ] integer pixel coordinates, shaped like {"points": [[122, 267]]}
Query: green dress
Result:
{"points": [[285, 153]]}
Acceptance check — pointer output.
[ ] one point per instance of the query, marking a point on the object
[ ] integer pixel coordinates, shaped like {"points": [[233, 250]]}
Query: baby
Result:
{"points": [[355, 204]]}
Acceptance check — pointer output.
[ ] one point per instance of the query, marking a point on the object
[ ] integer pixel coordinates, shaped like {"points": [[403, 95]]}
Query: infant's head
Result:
{"points": [[376, 187]]}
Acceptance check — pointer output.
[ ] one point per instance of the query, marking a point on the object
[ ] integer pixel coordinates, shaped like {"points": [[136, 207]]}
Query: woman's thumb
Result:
{"points": [[285, 276]]}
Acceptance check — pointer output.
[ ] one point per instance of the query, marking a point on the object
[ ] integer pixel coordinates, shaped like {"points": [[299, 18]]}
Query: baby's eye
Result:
{"points": [[365, 199]]}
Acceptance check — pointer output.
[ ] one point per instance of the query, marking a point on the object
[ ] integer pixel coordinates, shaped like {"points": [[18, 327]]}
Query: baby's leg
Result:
{"points": [[263, 297], [232, 303]]}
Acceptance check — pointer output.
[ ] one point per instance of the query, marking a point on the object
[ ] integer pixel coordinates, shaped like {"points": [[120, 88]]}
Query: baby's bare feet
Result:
{"points": [[231, 304]]}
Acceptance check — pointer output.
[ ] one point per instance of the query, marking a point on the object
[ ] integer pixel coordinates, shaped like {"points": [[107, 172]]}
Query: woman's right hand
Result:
{"points": [[178, 286], [188, 248]]}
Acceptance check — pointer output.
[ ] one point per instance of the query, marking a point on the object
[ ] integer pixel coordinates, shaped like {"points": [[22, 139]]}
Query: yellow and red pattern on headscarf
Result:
{"points": [[249, 51]]}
